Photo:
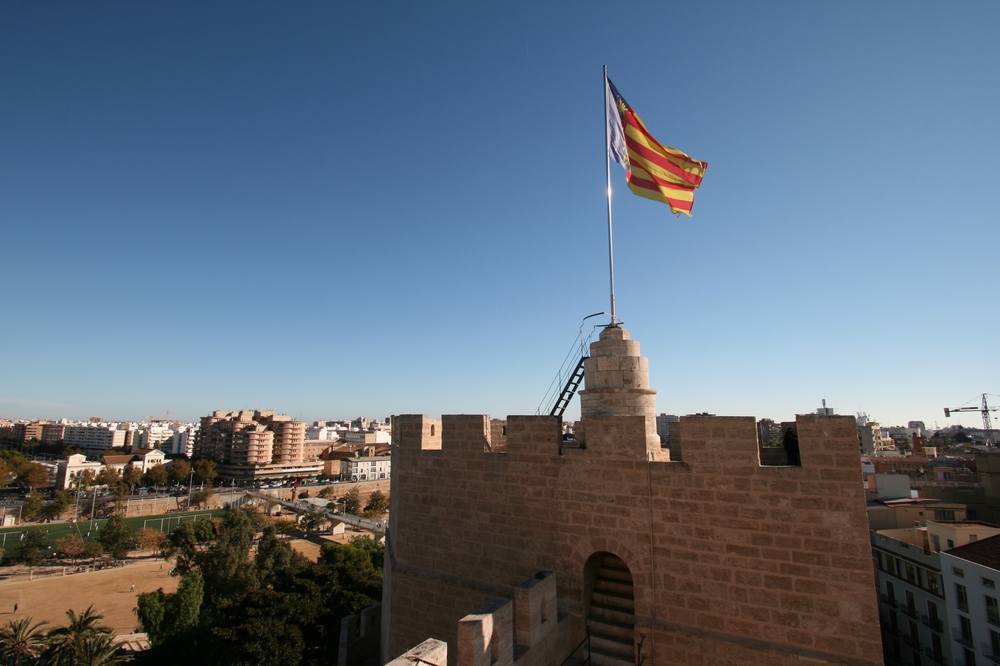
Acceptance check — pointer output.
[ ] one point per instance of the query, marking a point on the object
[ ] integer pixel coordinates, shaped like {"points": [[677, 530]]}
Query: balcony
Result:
{"points": [[913, 642], [911, 611], [987, 651], [937, 658], [934, 623], [886, 599], [956, 635]]}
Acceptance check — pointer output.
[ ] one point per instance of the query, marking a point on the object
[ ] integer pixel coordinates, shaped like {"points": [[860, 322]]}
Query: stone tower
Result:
{"points": [[616, 378]]}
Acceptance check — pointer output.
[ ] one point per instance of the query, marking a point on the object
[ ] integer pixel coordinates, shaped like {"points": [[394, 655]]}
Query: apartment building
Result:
{"points": [[912, 605], [971, 575], [94, 436], [366, 468], [253, 444]]}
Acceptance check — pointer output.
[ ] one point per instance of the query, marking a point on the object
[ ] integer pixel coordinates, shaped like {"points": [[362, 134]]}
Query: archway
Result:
{"points": [[610, 610]]}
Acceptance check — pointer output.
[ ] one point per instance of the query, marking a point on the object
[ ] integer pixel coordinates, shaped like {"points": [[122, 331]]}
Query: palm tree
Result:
{"points": [[21, 642], [66, 643], [98, 650]]}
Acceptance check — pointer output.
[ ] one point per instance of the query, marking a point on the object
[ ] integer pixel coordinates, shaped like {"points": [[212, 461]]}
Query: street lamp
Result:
{"points": [[190, 487]]}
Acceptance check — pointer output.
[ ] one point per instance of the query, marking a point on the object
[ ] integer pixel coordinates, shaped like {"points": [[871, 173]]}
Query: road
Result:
{"points": [[377, 526]]}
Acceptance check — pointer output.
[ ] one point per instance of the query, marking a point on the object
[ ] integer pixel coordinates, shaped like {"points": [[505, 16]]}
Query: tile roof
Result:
{"points": [[985, 552]]}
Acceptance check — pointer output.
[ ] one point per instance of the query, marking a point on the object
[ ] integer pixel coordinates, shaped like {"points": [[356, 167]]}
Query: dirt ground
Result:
{"points": [[48, 597]]}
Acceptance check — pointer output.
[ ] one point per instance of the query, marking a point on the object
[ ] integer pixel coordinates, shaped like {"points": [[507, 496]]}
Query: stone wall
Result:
{"points": [[733, 562]]}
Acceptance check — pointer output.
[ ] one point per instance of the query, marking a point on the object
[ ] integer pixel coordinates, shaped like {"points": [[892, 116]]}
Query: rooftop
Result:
{"points": [[985, 552]]}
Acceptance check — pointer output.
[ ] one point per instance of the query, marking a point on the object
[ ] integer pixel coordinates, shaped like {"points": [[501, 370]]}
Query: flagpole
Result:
{"points": [[607, 170]]}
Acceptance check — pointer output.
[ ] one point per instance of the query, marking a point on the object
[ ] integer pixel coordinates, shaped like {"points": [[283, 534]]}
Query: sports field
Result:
{"points": [[10, 537]]}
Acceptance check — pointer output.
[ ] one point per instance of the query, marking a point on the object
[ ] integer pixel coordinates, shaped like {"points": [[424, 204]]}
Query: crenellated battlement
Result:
{"points": [[678, 554], [696, 440]]}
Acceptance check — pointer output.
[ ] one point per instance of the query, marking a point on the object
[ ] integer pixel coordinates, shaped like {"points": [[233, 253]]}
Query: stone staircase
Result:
{"points": [[612, 615]]}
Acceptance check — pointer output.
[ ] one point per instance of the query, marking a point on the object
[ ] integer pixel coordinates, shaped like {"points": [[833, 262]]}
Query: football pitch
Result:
{"points": [[10, 537]]}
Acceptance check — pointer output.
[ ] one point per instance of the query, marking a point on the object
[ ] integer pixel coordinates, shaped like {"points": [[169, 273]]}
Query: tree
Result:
{"points": [[311, 521], [99, 650], [132, 476], [32, 506], [66, 644], [61, 501], [327, 492], [84, 478], [149, 538], [352, 501], [202, 497], [5, 473], [21, 641], [180, 471], [165, 615], [285, 526], [116, 537], [33, 475], [71, 546], [93, 549], [204, 471], [108, 476], [157, 475], [34, 548], [377, 503]]}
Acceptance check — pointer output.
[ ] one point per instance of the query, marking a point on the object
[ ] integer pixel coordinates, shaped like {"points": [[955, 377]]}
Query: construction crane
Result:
{"points": [[985, 410]]}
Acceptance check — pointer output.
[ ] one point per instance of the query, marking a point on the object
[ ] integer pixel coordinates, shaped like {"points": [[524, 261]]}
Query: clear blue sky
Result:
{"points": [[342, 209]]}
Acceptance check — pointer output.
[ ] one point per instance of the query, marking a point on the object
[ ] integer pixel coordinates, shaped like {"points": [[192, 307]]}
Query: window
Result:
{"points": [[890, 592], [936, 645], [992, 612], [989, 583], [970, 657], [966, 626], [994, 643], [936, 541], [911, 573], [962, 598], [958, 572], [933, 583], [910, 602], [951, 544], [944, 515]]}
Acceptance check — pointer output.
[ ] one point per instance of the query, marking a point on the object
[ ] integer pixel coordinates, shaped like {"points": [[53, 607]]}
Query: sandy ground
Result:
{"points": [[49, 597]]}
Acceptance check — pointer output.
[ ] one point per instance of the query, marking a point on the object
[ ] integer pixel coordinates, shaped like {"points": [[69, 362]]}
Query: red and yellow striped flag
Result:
{"points": [[653, 170]]}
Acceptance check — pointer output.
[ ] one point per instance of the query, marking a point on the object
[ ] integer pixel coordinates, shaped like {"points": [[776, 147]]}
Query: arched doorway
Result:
{"points": [[610, 610]]}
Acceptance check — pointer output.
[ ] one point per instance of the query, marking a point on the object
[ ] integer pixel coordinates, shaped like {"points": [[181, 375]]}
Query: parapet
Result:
{"points": [[431, 652], [486, 637], [360, 638], [537, 608]]}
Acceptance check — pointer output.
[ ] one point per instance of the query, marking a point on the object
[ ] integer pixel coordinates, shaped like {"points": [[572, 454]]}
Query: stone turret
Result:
{"points": [[616, 381]]}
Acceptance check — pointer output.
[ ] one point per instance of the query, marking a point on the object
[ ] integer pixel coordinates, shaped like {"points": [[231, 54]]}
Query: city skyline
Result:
{"points": [[400, 209]]}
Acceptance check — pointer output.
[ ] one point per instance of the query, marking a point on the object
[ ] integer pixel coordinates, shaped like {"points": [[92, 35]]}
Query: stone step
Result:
{"points": [[608, 612], [622, 588], [601, 659], [609, 646], [617, 600], [621, 630]]}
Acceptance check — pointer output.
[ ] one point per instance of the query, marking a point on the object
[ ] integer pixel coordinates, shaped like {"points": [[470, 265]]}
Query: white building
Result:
{"points": [[94, 436], [366, 468], [912, 605], [971, 576], [322, 433], [183, 439], [73, 466], [376, 437], [147, 437]]}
